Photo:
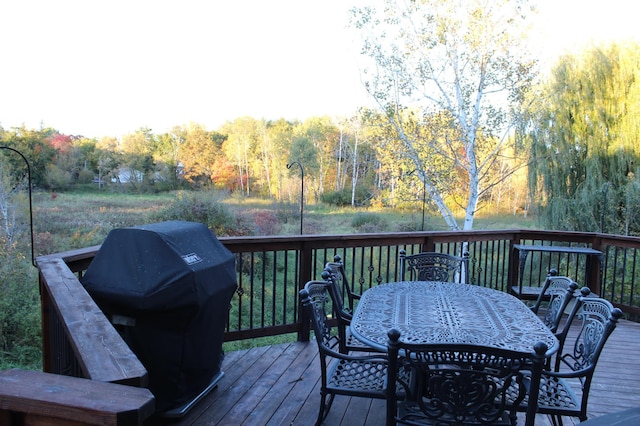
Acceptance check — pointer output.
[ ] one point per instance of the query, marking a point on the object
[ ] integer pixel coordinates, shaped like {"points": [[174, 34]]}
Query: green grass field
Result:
{"points": [[71, 220]]}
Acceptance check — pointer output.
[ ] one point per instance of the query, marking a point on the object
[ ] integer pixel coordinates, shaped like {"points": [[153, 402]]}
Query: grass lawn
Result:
{"points": [[77, 219], [70, 220]]}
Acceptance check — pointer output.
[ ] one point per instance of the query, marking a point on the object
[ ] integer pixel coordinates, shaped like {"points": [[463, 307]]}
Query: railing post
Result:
{"points": [[428, 244], [594, 271], [45, 321], [306, 260], [512, 271]]}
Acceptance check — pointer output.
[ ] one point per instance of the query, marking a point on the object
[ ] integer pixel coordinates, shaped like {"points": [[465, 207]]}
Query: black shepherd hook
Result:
{"points": [[33, 257], [301, 190]]}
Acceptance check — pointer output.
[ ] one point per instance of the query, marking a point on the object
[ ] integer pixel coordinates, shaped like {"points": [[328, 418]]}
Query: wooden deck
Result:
{"points": [[278, 385]]}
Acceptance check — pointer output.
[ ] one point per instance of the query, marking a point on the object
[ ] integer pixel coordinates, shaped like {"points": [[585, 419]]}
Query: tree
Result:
{"points": [[584, 141], [34, 145], [463, 62], [280, 138], [200, 154], [70, 162], [12, 203], [303, 151], [138, 149], [323, 136], [109, 159], [242, 135]]}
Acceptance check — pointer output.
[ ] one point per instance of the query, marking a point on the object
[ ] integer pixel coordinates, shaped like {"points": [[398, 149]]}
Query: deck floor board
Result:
{"points": [[279, 385]]}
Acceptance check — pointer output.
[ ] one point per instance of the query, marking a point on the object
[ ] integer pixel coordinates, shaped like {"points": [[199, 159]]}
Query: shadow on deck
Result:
{"points": [[279, 385]]}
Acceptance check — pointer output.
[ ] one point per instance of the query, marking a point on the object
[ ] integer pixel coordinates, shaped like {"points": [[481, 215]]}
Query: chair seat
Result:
{"points": [[357, 376], [353, 344], [555, 394], [410, 413]]}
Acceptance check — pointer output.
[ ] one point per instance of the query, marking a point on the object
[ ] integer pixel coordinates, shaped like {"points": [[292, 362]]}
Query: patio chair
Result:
{"points": [[541, 291], [342, 374], [348, 342], [453, 384], [337, 268], [596, 319], [559, 291], [432, 266]]}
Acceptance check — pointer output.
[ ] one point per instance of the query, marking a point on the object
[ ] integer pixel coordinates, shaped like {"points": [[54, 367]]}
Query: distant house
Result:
{"points": [[128, 175]]}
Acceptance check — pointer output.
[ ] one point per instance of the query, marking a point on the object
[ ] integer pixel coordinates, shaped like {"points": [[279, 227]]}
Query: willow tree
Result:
{"points": [[465, 60], [585, 141]]}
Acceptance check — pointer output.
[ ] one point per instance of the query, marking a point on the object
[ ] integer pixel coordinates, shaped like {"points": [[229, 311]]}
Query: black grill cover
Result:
{"points": [[172, 282]]}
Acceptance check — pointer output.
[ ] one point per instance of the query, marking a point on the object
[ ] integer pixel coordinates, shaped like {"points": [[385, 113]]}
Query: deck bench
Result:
{"points": [[519, 254], [35, 397]]}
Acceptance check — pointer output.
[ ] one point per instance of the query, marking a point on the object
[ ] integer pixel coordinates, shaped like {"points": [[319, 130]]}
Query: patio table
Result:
{"points": [[442, 312], [437, 312]]}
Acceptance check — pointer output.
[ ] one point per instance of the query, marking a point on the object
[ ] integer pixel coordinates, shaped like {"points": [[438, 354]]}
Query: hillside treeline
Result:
{"points": [[578, 138], [354, 161]]}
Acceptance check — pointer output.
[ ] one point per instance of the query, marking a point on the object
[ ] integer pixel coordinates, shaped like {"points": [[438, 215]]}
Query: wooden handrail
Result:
{"points": [[105, 356]]}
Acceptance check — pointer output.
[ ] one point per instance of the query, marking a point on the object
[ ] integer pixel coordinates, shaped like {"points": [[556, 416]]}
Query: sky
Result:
{"points": [[107, 68]]}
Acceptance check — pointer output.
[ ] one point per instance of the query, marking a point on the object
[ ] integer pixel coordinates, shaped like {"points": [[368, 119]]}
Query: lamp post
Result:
{"points": [[33, 258], [301, 190]]}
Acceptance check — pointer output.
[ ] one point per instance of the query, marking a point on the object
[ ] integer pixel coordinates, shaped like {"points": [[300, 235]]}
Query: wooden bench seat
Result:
{"points": [[38, 398]]}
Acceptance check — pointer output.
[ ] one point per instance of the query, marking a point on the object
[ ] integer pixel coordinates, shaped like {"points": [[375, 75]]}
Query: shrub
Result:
{"points": [[342, 198], [266, 223], [58, 178], [368, 222], [286, 212], [336, 198], [85, 176], [204, 208], [20, 340]]}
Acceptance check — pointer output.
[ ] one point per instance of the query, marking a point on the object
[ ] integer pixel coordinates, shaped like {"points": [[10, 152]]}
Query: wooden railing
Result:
{"points": [[79, 341]]}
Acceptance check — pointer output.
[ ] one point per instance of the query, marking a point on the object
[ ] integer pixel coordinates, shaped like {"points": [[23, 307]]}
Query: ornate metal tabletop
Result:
{"points": [[439, 312]]}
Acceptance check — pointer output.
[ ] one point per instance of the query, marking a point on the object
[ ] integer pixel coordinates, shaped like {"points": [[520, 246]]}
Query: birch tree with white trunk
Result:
{"points": [[463, 59]]}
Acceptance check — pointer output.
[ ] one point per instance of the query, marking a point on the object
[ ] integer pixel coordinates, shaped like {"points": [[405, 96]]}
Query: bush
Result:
{"points": [[85, 176], [369, 222], [204, 208], [266, 223], [342, 198], [336, 198], [57, 178], [20, 336]]}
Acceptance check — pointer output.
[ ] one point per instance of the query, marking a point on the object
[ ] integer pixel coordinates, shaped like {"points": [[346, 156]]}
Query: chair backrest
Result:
{"points": [[339, 276], [453, 384], [316, 299], [341, 314], [433, 266], [560, 290], [596, 319], [543, 290]]}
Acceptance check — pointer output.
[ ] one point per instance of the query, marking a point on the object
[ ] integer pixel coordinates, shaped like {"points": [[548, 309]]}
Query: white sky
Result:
{"points": [[97, 68]]}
